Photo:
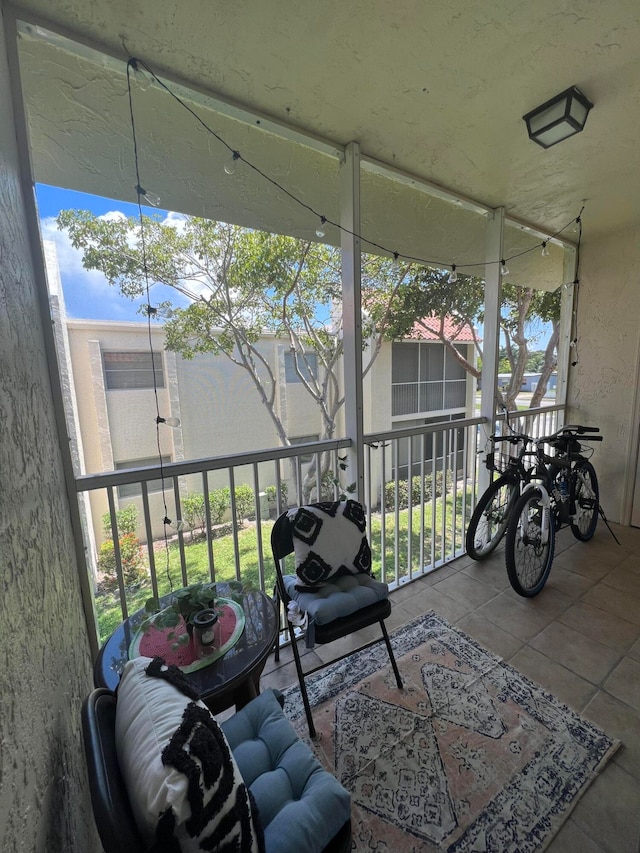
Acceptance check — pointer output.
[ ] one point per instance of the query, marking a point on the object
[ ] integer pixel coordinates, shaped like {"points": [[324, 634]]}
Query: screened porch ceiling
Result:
{"points": [[433, 90]]}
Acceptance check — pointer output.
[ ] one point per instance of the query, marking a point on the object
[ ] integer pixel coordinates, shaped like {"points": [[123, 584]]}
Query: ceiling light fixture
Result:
{"points": [[558, 118]]}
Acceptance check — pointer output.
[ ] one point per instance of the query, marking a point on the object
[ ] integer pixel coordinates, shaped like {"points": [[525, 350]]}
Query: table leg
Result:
{"points": [[250, 689]]}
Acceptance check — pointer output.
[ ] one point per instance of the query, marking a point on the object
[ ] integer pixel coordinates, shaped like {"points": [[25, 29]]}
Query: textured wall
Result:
{"points": [[602, 385], [44, 655]]}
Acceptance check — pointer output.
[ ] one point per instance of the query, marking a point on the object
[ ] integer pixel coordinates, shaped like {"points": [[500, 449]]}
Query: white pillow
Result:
{"points": [[329, 539], [150, 714]]}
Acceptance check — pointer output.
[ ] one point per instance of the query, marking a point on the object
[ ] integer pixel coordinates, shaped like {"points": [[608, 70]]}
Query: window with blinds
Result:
{"points": [[131, 490], [307, 364], [132, 370]]}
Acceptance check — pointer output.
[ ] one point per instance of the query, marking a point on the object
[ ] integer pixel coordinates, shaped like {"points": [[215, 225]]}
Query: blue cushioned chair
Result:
{"points": [[301, 806], [345, 603]]}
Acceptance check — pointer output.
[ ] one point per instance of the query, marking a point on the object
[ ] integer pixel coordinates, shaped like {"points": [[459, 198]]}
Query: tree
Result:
{"points": [[548, 310], [239, 283], [523, 306], [444, 308]]}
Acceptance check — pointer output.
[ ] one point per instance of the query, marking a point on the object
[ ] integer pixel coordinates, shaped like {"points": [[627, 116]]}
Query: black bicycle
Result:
{"points": [[562, 490], [490, 517]]}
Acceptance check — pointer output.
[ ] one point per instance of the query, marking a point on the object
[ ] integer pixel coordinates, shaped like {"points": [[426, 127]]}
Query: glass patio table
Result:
{"points": [[233, 679]]}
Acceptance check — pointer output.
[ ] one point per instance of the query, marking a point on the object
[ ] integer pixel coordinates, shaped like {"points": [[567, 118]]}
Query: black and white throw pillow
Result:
{"points": [[329, 540], [183, 783]]}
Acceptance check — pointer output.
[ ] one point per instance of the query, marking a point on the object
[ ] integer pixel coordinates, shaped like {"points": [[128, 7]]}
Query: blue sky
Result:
{"points": [[86, 292]]}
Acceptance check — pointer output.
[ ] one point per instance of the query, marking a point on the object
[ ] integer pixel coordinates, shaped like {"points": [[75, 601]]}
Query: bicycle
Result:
{"points": [[490, 517], [562, 490]]}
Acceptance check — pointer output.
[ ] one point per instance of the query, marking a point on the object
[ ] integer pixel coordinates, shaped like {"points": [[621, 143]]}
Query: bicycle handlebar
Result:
{"points": [[571, 431], [580, 429], [513, 439]]}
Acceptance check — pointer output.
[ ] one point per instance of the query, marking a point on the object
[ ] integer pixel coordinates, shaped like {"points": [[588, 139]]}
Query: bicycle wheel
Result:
{"points": [[530, 544], [587, 498], [490, 517]]}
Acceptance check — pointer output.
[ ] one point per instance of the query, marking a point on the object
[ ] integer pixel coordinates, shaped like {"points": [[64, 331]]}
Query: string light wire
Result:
{"points": [[131, 65], [237, 157], [576, 284], [135, 64]]}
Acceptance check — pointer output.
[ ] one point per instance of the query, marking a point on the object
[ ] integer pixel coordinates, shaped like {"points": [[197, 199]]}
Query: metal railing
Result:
{"points": [[421, 484]]}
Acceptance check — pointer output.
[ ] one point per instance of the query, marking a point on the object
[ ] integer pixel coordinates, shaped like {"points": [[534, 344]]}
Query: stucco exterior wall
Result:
{"points": [[603, 383], [45, 668], [222, 409], [218, 405]]}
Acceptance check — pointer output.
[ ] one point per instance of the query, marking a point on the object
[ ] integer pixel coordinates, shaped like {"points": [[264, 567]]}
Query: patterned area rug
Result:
{"points": [[471, 756]]}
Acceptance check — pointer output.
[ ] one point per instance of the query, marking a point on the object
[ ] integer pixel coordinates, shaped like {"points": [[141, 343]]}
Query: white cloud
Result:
{"points": [[87, 293], [113, 216]]}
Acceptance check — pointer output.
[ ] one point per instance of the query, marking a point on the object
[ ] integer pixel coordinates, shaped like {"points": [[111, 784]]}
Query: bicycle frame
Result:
{"points": [[544, 475], [547, 503], [561, 489]]}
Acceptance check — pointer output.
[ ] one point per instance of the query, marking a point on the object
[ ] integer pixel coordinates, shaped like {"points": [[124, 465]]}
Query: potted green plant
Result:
{"points": [[185, 603]]}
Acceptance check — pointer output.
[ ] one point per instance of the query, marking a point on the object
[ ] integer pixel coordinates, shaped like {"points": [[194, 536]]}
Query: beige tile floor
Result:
{"points": [[579, 638]]}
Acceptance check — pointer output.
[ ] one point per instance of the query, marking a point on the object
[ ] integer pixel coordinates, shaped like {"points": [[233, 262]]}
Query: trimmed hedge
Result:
{"points": [[403, 490]]}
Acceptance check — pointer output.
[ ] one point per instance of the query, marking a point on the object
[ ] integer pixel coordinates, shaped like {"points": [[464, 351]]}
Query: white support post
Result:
{"points": [[491, 329], [352, 315]]}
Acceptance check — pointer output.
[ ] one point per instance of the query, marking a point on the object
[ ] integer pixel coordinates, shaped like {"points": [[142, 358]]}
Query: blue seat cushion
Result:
{"points": [[301, 806], [342, 596]]}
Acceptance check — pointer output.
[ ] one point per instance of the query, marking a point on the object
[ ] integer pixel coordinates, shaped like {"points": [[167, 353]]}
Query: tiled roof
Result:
{"points": [[452, 329]]}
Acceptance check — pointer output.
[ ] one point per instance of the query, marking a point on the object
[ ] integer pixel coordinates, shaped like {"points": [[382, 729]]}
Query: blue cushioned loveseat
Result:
{"points": [[295, 804]]}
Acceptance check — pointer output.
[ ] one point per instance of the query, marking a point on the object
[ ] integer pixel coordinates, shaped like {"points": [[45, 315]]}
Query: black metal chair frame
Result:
{"points": [[111, 807], [282, 546]]}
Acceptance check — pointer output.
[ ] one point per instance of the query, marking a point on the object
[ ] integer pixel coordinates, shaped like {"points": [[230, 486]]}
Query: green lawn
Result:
{"points": [[197, 564]]}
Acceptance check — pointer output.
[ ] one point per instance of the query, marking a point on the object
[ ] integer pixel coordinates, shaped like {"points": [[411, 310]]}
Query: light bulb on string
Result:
{"points": [[178, 524], [232, 163], [142, 77], [163, 311], [396, 262], [320, 232], [453, 275], [504, 270], [150, 197], [171, 422], [545, 250]]}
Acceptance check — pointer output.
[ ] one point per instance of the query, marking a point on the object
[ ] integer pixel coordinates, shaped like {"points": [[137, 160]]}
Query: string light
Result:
{"points": [[232, 163], [396, 262], [230, 167], [134, 64], [138, 67], [143, 79], [320, 232], [163, 311], [171, 422], [178, 525], [545, 251], [576, 291], [148, 196]]}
